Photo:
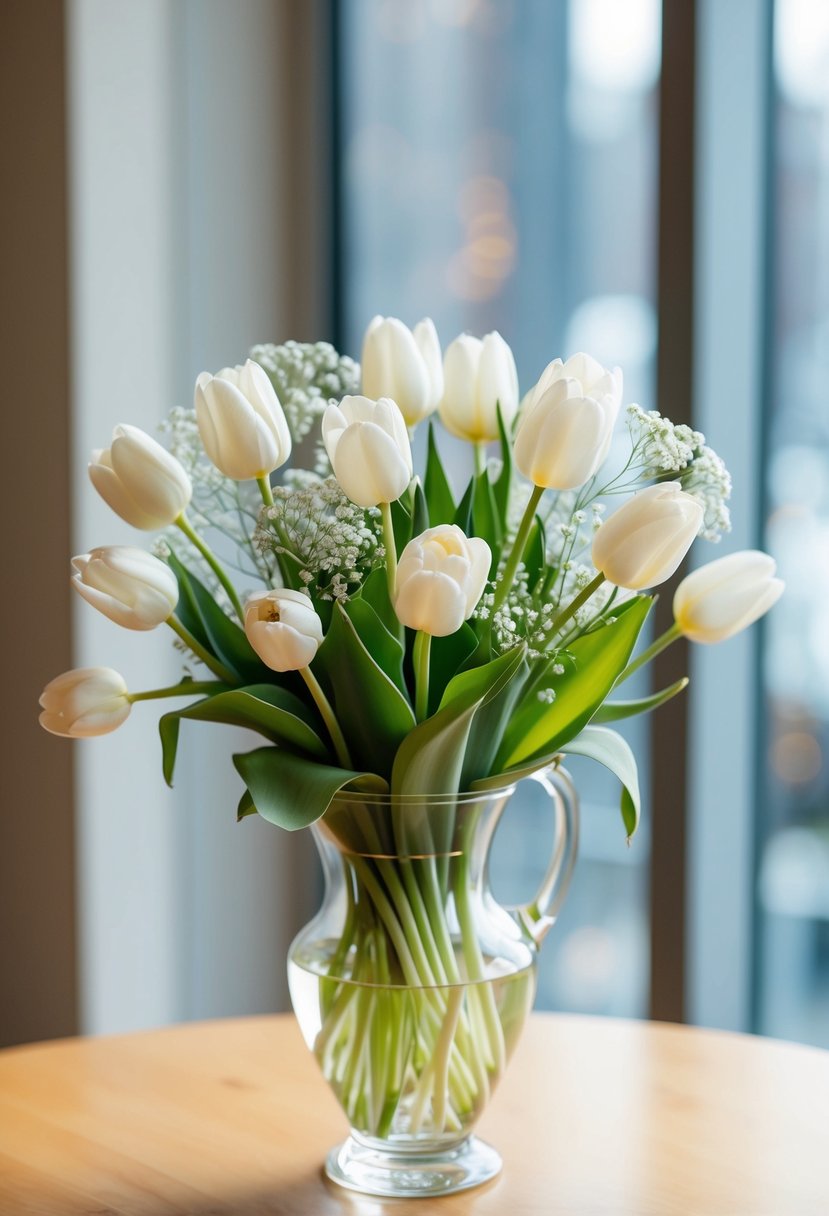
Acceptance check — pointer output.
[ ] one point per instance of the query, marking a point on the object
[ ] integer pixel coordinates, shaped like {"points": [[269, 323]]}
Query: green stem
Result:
{"points": [[518, 547], [655, 648], [574, 605], [421, 656], [216, 666], [187, 688], [265, 490], [328, 717], [213, 562], [391, 550], [479, 449]]}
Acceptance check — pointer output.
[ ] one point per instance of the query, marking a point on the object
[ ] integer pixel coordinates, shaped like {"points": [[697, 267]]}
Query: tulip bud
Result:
{"points": [[131, 587], [441, 576], [368, 446], [643, 542], [140, 480], [404, 365], [241, 422], [283, 628], [560, 441], [86, 702], [592, 381], [726, 596], [478, 377]]}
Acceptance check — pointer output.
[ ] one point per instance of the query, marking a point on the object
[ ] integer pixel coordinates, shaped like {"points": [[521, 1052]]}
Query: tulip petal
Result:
{"points": [[432, 602]]}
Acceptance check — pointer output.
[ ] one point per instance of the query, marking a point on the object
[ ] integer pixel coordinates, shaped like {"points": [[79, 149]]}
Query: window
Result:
{"points": [[499, 172], [793, 875]]}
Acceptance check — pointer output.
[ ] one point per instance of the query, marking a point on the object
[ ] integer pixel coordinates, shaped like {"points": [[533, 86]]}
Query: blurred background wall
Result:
{"points": [[648, 182]]}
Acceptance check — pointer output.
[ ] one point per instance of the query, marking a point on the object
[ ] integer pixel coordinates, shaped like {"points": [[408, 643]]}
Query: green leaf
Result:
{"points": [[187, 609], [485, 521], [489, 726], [292, 791], [431, 757], [497, 781], [592, 664], [386, 650], [373, 713], [439, 497], [246, 806], [218, 632], [401, 524], [503, 482], [535, 554], [265, 708], [611, 750], [463, 515], [448, 656], [420, 509], [375, 592], [168, 729], [613, 711]]}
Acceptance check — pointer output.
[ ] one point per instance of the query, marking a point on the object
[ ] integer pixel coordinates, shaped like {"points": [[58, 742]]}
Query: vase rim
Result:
{"points": [[375, 798]]}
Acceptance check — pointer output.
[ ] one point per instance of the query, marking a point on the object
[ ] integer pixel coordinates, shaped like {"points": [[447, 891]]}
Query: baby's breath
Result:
{"points": [[333, 542], [709, 481], [661, 446], [306, 375]]}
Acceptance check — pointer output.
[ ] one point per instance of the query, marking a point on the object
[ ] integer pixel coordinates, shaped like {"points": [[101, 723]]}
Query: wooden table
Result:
{"points": [[593, 1117]]}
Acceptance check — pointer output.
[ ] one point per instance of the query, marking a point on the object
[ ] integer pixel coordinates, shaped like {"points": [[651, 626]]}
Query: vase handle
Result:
{"points": [[539, 915]]}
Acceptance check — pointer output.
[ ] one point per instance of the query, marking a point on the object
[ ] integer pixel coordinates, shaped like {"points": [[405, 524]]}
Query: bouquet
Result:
{"points": [[388, 634]]}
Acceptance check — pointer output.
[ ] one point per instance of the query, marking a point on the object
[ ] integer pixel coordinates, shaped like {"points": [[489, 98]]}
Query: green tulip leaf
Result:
{"points": [[420, 509], [292, 791], [222, 636], [503, 482], [385, 649], [489, 725], [265, 708], [168, 729], [611, 750], [373, 713], [592, 664], [246, 807], [485, 521], [535, 554], [463, 515], [431, 757], [439, 496], [375, 592], [448, 656], [614, 711], [402, 525], [187, 610]]}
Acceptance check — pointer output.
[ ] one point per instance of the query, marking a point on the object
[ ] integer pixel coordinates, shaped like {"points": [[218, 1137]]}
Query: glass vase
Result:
{"points": [[412, 984]]}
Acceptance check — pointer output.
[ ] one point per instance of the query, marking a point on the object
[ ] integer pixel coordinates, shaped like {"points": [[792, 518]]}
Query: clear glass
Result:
{"points": [[412, 984], [793, 877], [499, 172]]}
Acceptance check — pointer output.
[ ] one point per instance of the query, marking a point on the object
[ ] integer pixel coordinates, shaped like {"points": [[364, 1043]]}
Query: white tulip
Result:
{"points": [[86, 702], [140, 480], [726, 596], [404, 365], [241, 422], [368, 446], [588, 380], [441, 577], [131, 587], [560, 441], [643, 542], [283, 628], [478, 376]]}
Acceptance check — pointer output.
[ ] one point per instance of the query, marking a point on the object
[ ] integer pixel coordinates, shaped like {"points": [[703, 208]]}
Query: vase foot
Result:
{"points": [[400, 1175]]}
